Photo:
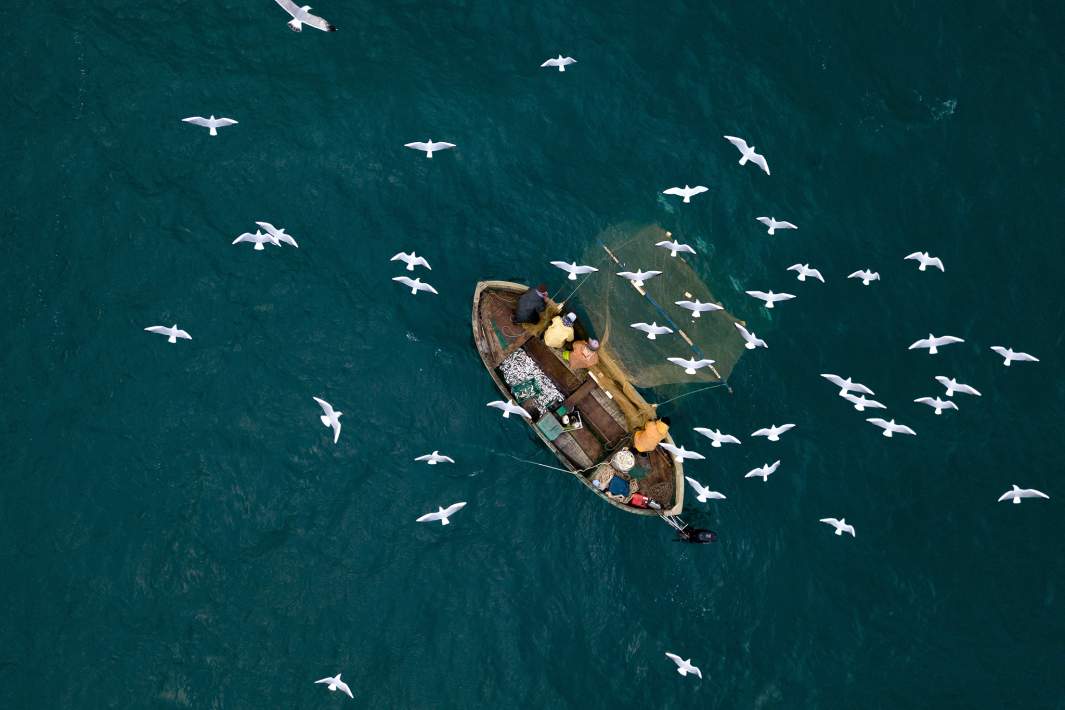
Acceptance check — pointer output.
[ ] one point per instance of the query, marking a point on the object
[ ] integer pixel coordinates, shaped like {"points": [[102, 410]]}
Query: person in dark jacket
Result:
{"points": [[531, 304]]}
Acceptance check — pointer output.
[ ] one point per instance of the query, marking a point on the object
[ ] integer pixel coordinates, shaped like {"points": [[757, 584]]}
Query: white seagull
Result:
{"points": [[716, 437], [213, 123], [258, 239], [442, 514], [652, 330], [686, 192], [840, 525], [435, 458], [774, 225], [1010, 355], [301, 16], [932, 343], [862, 403], [429, 147], [674, 247], [172, 333], [680, 453], [509, 408], [763, 471], [639, 276], [865, 275], [890, 427], [1017, 493], [691, 364], [953, 386], [697, 307], [415, 285], [847, 385], [574, 269], [753, 341], [747, 153], [411, 260], [773, 432], [336, 684], [331, 418], [279, 234], [937, 403], [684, 666], [769, 297], [926, 260], [703, 493], [804, 270], [560, 62]]}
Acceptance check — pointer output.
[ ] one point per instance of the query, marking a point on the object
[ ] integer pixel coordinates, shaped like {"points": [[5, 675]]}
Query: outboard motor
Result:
{"points": [[696, 536]]}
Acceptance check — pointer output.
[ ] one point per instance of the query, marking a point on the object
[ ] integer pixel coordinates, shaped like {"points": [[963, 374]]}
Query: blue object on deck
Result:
{"points": [[618, 486]]}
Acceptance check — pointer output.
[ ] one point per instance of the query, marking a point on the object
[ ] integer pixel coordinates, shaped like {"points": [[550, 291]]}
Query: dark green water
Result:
{"points": [[178, 530]]}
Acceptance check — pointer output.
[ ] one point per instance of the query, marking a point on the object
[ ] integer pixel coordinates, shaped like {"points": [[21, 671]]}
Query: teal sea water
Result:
{"points": [[178, 530]]}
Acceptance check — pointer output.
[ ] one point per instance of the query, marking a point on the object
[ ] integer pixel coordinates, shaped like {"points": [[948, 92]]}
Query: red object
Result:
{"points": [[640, 501]]}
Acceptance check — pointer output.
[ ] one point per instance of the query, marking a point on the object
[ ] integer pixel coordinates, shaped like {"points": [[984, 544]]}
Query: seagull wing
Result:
{"points": [[762, 432], [551, 63], [326, 406], [937, 262], [319, 23], [738, 142], [916, 256], [675, 191], [759, 160], [744, 332], [670, 448], [1032, 493], [453, 508], [835, 379], [1025, 357], [927, 400], [948, 340], [759, 294], [830, 521], [197, 121], [429, 517], [161, 329], [292, 9], [699, 488], [417, 145], [179, 333], [922, 343], [786, 225], [785, 427], [903, 429], [877, 421], [767, 221], [406, 281], [246, 237], [441, 145], [219, 122], [403, 256], [675, 658], [344, 686]]}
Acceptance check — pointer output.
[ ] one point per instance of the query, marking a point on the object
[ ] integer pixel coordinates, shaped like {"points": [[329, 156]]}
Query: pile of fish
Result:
{"points": [[519, 367]]}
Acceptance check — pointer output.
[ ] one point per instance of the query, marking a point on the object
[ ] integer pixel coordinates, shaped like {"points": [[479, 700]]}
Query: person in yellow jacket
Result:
{"points": [[583, 355], [651, 435], [560, 331]]}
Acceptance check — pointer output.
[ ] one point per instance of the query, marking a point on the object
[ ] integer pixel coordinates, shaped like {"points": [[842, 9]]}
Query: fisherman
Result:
{"points": [[651, 435], [530, 305], [696, 536], [583, 355], [560, 331]]}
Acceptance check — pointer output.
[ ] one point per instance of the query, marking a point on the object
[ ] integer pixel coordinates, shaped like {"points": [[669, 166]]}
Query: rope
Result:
{"points": [[544, 465], [701, 389], [575, 289]]}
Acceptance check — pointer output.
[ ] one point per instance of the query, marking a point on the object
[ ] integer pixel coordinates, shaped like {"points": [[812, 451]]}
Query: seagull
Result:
{"points": [[953, 386], [435, 458], [213, 123], [300, 17], [753, 341], [773, 432], [573, 269], [716, 437], [770, 298], [258, 239], [1017, 493], [763, 471], [639, 276], [684, 666], [560, 62], [509, 408], [862, 403], [774, 225], [926, 260], [865, 275], [680, 453], [939, 404], [336, 684], [748, 153], [172, 333], [891, 428], [652, 330], [697, 307], [429, 147], [691, 364], [674, 247], [331, 418], [1010, 355], [804, 270], [933, 343], [279, 234], [703, 493], [442, 514], [411, 260], [686, 192], [847, 385], [840, 525], [415, 285]]}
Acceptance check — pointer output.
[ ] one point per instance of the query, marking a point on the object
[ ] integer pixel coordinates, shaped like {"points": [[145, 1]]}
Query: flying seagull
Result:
{"points": [[840, 525], [691, 364], [435, 458], [703, 493], [763, 471], [331, 418], [301, 16], [774, 225], [753, 341], [716, 437], [411, 260], [847, 385], [890, 427], [926, 260], [560, 62], [415, 285], [865, 275], [336, 684], [213, 123], [675, 247], [770, 298], [509, 408], [680, 453], [747, 153], [937, 403], [862, 403], [697, 307], [442, 514], [773, 432], [684, 666], [652, 330], [573, 269], [953, 386], [639, 276], [1010, 355], [804, 270], [686, 192], [932, 343], [172, 333], [258, 239], [279, 234], [429, 147], [1017, 493]]}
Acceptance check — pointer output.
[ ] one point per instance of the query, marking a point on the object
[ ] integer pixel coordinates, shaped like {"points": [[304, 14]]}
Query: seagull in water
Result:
{"points": [[804, 270], [415, 285], [847, 385], [691, 364], [336, 684], [926, 260], [865, 275], [770, 298], [258, 239], [840, 525], [937, 403], [703, 493], [1011, 356], [932, 343], [716, 437], [279, 234], [331, 418], [680, 453], [560, 62], [213, 123], [301, 16], [442, 514], [774, 225], [773, 432], [652, 330], [753, 341], [697, 307], [862, 403], [953, 386], [172, 333], [747, 153], [684, 666], [763, 471], [411, 260], [890, 427], [686, 192], [573, 269], [435, 458], [509, 408], [1017, 493], [429, 147], [675, 247], [639, 276]]}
